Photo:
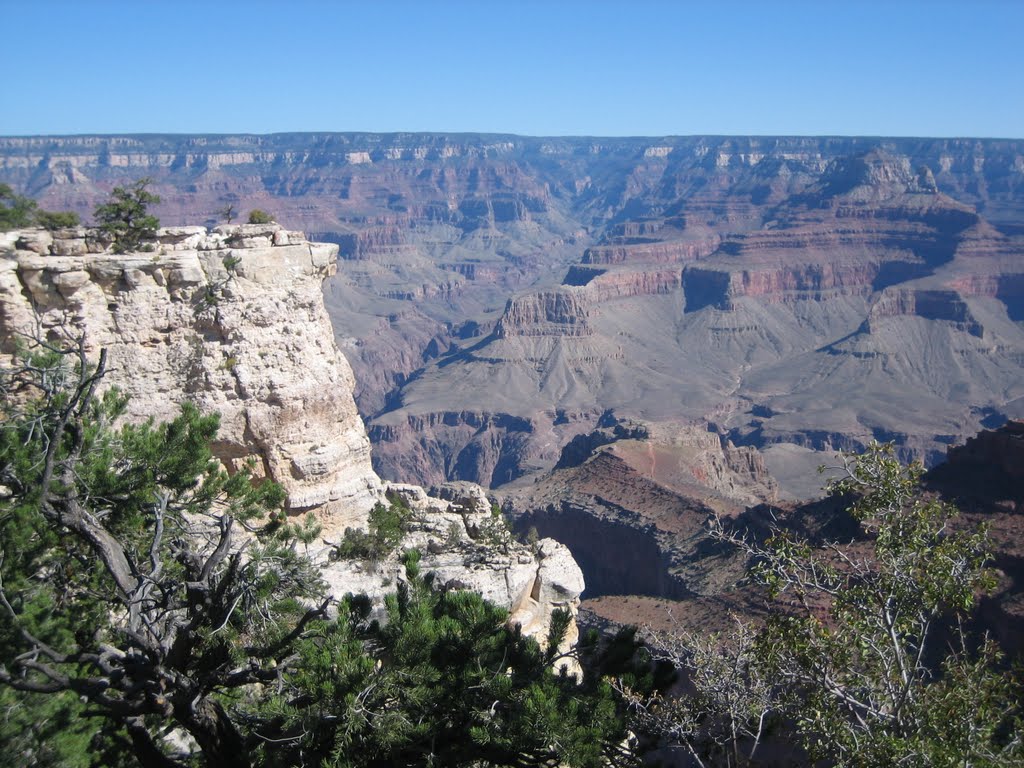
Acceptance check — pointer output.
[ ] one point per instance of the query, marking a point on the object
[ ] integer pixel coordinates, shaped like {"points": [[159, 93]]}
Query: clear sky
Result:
{"points": [[899, 67]]}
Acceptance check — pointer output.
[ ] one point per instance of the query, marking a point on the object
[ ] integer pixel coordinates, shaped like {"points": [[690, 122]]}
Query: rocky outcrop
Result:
{"points": [[231, 319], [1001, 450], [632, 500], [487, 448], [944, 305], [631, 534], [720, 287], [653, 252], [720, 273], [984, 478], [607, 284], [560, 312], [462, 545]]}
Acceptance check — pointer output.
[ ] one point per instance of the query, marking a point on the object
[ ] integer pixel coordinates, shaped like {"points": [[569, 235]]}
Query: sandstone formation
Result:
{"points": [[462, 546], [986, 471], [982, 477], [864, 287], [633, 501]]}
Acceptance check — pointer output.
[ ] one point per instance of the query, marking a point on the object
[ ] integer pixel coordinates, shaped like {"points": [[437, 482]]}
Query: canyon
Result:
{"points": [[497, 296], [621, 338]]}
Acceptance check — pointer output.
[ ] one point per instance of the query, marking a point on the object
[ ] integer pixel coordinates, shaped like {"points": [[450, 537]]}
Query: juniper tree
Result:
{"points": [[124, 581], [258, 216], [57, 219], [16, 211], [445, 682], [130, 596]]}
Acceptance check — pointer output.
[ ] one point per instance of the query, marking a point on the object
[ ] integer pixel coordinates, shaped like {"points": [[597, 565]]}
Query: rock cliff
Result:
{"points": [[984, 477], [233, 320], [463, 546], [633, 501]]}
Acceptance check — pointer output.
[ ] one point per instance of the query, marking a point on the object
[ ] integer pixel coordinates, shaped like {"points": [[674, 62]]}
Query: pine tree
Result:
{"points": [[126, 218]]}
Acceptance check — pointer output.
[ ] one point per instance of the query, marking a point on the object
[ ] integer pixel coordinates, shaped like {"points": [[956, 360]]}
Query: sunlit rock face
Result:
{"points": [[232, 320], [463, 546]]}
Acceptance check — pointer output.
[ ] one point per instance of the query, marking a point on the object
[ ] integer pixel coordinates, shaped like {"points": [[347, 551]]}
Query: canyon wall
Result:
{"points": [[232, 320]]}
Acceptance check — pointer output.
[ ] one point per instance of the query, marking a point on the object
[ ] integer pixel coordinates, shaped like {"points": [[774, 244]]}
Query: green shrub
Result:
{"points": [[15, 210], [126, 216], [495, 530], [52, 220], [385, 528], [256, 216]]}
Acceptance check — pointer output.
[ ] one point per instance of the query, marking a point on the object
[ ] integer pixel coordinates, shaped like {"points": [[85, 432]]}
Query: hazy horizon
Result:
{"points": [[502, 134]]}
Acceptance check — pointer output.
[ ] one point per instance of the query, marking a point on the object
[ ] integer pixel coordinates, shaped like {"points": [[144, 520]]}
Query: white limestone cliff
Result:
{"points": [[232, 320], [463, 547]]}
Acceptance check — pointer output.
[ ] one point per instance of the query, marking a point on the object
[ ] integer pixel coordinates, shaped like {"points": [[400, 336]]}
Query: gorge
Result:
{"points": [[619, 337], [496, 295]]}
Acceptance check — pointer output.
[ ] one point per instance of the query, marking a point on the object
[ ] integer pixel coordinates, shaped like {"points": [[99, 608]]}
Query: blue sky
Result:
{"points": [[899, 68]]}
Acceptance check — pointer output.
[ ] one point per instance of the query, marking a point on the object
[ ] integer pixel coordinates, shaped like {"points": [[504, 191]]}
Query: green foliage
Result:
{"points": [[44, 731], [119, 583], [19, 212], [866, 672], [130, 612], [386, 525], [496, 531], [866, 657], [446, 682], [126, 218], [57, 219], [256, 216], [16, 211]]}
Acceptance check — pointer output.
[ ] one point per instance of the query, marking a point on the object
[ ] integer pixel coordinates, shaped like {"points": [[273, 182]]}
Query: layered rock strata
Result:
{"points": [[633, 501], [726, 277], [230, 319]]}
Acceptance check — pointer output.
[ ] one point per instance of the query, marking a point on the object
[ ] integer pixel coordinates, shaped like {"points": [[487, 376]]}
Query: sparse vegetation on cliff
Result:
{"points": [[457, 686], [126, 218], [17, 211], [57, 219], [384, 530], [257, 216]]}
